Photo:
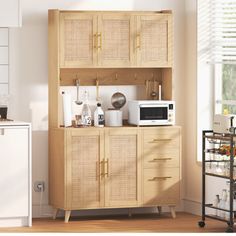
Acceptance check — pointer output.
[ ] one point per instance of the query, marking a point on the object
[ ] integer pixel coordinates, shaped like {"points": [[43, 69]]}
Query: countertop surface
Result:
{"points": [[9, 122]]}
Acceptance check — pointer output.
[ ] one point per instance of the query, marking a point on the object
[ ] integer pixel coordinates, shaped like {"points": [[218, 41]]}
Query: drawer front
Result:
{"points": [[161, 147], [161, 186], [161, 158]]}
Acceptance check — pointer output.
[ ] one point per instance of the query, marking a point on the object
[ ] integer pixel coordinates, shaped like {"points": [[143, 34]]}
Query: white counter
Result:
{"points": [[15, 174]]}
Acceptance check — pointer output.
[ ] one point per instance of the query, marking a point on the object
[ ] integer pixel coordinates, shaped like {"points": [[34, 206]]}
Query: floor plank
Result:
{"points": [[184, 222]]}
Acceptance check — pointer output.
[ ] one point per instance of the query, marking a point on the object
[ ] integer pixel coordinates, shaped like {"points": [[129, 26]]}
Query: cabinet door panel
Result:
{"points": [[77, 40], [154, 40], [161, 186], [85, 189], [115, 40], [122, 182], [14, 174]]}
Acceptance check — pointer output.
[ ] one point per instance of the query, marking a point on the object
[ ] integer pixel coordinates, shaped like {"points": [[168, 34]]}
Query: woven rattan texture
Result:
{"points": [[116, 39], [85, 183], [78, 40], [123, 168], [153, 40]]}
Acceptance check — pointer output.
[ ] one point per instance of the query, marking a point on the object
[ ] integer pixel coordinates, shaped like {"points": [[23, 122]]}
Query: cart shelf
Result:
{"points": [[212, 144]]}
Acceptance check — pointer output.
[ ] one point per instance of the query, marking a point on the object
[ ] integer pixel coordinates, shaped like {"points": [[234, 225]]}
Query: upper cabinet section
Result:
{"points": [[115, 39], [78, 40], [10, 13], [154, 40]]}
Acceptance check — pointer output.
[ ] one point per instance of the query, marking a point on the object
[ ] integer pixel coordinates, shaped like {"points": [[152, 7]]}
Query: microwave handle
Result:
{"points": [[153, 105]]}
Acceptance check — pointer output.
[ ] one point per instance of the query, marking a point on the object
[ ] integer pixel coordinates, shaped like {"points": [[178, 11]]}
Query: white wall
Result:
{"points": [[29, 72]]}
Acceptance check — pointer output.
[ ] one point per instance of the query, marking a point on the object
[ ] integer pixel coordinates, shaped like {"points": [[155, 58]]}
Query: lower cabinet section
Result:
{"points": [[94, 168]]}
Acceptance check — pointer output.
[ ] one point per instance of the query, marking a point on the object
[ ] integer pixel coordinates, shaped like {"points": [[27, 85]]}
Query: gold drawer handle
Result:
{"points": [[162, 159], [160, 178], [160, 140]]}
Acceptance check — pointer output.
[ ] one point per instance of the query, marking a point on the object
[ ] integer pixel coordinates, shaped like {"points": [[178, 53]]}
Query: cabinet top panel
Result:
{"points": [[114, 12]]}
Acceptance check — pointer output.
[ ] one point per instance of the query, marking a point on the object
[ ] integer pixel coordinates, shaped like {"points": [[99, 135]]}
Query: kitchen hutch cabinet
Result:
{"points": [[119, 167]]}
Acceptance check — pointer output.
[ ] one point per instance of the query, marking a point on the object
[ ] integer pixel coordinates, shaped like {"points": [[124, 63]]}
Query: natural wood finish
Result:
{"points": [[139, 223], [161, 186], [57, 181], [122, 152], [85, 186], [172, 210], [119, 175], [154, 40], [67, 216], [161, 150], [77, 40], [115, 32], [53, 67], [128, 76]]}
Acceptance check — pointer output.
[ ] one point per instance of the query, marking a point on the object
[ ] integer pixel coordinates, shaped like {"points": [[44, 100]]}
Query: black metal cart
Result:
{"points": [[217, 140]]}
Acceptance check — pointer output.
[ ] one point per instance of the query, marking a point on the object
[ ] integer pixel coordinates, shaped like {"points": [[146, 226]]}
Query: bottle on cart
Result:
{"points": [[216, 203], [222, 203], [99, 116], [227, 206], [86, 112]]}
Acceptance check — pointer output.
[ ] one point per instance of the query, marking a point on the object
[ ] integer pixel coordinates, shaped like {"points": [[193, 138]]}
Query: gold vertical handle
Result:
{"points": [[102, 168], [138, 39], [95, 41], [106, 163], [100, 36]]}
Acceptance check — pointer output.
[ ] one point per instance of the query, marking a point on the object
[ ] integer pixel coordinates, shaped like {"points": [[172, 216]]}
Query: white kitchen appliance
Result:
{"points": [[224, 123], [151, 112]]}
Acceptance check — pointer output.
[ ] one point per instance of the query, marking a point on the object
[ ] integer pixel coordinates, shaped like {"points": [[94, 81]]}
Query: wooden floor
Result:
{"points": [[137, 223]]}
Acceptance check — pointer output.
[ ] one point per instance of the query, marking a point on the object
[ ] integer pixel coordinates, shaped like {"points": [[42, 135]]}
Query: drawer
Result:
{"points": [[160, 141], [161, 158], [161, 186]]}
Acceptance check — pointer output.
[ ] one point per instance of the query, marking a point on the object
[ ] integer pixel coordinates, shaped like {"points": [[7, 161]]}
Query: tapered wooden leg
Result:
{"points": [[159, 209], [129, 212], [67, 216], [55, 211], [172, 210]]}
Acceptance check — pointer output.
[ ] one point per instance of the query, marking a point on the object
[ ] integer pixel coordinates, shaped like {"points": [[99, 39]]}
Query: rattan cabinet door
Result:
{"points": [[78, 40], [85, 187], [122, 172], [115, 40], [154, 40]]}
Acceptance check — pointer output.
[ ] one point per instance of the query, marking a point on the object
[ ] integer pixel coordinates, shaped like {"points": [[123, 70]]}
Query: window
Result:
{"points": [[216, 49]]}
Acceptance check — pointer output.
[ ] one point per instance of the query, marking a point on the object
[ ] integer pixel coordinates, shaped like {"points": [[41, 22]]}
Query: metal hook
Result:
{"points": [[116, 77]]}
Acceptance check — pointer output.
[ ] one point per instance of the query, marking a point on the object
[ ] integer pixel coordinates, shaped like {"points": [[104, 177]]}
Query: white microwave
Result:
{"points": [[151, 112]]}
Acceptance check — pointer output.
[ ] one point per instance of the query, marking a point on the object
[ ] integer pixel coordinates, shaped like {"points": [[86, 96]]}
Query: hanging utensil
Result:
{"points": [[77, 100], [97, 90]]}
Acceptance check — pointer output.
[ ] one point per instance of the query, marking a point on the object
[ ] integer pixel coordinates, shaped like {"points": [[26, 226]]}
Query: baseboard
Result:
{"points": [[46, 211], [192, 206]]}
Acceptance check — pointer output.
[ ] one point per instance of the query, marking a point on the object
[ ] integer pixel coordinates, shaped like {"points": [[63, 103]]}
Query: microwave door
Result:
{"points": [[155, 114]]}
